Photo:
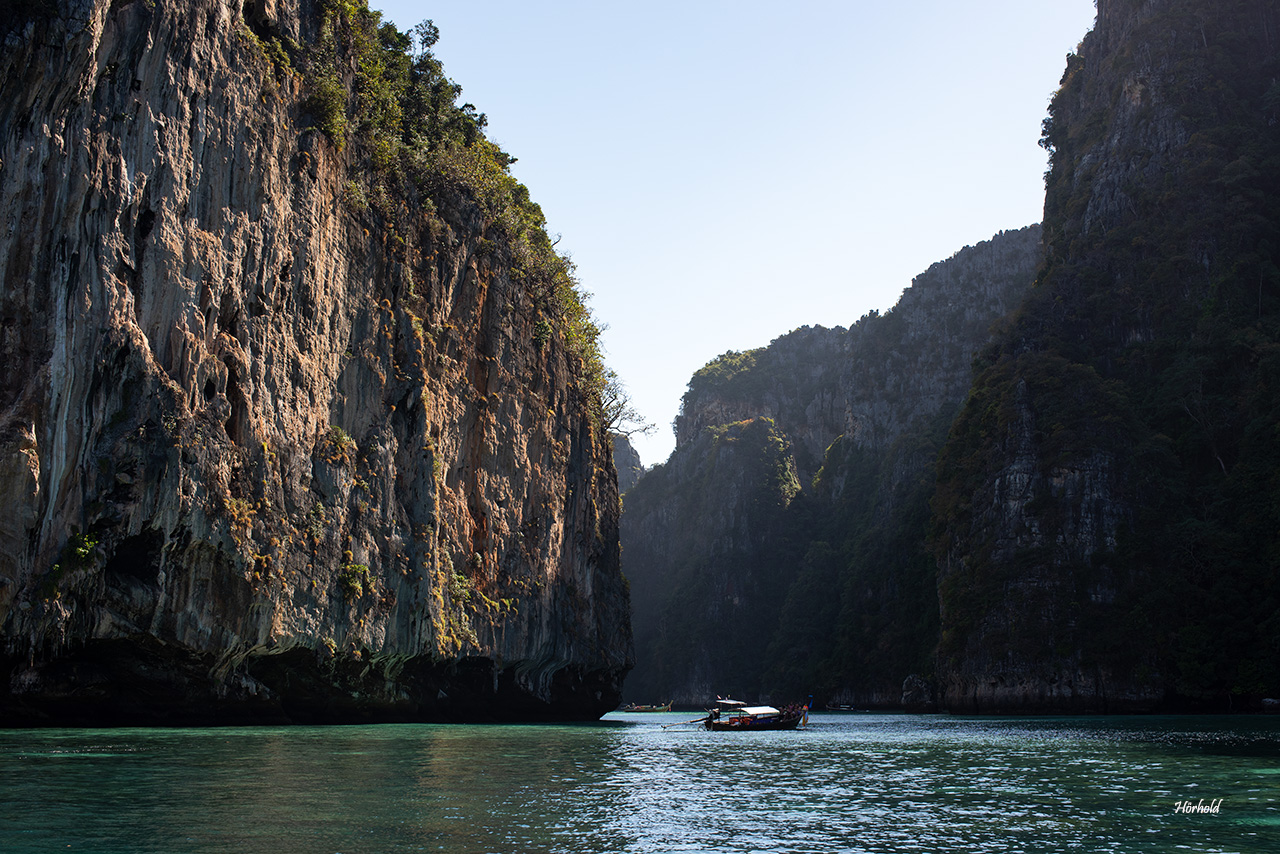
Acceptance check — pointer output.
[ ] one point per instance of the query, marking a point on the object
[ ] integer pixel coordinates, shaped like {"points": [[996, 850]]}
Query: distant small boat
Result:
{"points": [[736, 716], [632, 707]]}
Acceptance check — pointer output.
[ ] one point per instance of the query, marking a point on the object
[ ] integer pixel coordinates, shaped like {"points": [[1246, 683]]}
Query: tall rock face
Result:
{"points": [[874, 381], [627, 461], [792, 381], [284, 435], [781, 550], [702, 548], [1107, 510]]}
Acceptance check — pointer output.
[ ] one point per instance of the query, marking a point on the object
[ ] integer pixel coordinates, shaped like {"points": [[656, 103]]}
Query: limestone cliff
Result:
{"points": [[738, 583], [279, 441], [702, 535], [1106, 515], [628, 463], [873, 381]]}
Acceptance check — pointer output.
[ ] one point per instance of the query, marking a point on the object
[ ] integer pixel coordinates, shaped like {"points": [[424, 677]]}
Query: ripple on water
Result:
{"points": [[849, 783]]}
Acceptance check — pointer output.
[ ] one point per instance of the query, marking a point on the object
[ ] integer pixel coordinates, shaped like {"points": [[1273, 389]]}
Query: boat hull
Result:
{"points": [[747, 725]]}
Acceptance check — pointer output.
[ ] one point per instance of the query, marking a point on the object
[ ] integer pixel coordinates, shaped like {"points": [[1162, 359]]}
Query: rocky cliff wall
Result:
{"points": [[874, 380], [1105, 517], [268, 452], [627, 461], [793, 381], [837, 583], [701, 551]]}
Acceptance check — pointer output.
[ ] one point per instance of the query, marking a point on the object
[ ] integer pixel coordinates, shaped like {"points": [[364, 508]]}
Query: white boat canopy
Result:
{"points": [[737, 707]]}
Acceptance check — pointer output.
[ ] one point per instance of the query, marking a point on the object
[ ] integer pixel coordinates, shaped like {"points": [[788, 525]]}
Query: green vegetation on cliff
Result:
{"points": [[416, 150], [861, 614], [729, 374]]}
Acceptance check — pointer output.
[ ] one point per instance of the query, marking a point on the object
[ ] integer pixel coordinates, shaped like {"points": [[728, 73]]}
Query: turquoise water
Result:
{"points": [[858, 783]]}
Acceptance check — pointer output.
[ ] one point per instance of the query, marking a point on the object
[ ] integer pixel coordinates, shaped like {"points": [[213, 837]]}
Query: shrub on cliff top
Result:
{"points": [[730, 372], [394, 90]]}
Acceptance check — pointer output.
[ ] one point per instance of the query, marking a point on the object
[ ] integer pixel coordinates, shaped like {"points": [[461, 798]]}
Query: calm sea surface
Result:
{"points": [[849, 782]]}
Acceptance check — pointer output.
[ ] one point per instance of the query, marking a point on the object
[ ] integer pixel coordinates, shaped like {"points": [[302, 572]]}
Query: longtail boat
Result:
{"points": [[736, 716], [632, 707]]}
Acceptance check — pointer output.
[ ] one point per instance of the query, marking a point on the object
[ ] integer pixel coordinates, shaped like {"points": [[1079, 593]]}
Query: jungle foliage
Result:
{"points": [[731, 374]]}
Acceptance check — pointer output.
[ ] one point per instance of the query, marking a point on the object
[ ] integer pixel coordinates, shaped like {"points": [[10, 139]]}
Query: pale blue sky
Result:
{"points": [[724, 172]]}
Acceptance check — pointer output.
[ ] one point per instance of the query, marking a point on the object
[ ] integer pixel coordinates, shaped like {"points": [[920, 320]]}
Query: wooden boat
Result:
{"points": [[736, 716], [632, 707]]}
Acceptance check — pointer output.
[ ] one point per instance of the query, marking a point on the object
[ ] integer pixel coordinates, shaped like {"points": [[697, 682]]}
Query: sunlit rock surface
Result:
{"points": [[263, 457]]}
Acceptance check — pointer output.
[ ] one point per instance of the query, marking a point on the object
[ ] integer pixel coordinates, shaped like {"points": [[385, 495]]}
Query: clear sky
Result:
{"points": [[724, 172]]}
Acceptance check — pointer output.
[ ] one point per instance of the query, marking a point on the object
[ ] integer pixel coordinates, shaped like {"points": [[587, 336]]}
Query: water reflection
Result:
{"points": [[867, 783], [512, 788], [883, 783]]}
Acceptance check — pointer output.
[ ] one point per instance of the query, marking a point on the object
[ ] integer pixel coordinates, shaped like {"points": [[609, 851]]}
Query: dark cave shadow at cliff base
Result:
{"points": [[120, 683]]}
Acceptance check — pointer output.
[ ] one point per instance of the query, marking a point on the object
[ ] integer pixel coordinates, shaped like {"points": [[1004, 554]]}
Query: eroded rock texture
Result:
{"points": [[262, 455]]}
